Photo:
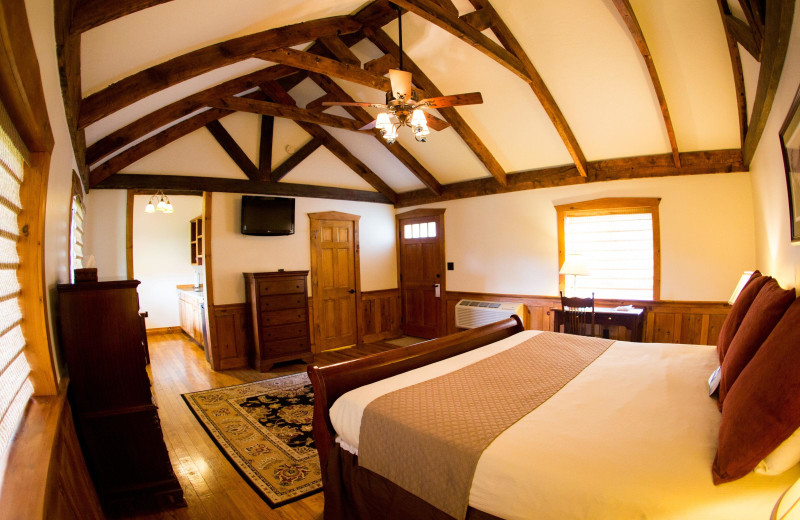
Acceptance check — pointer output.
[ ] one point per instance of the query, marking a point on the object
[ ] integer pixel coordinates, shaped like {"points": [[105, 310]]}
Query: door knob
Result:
{"points": [[352, 291]]}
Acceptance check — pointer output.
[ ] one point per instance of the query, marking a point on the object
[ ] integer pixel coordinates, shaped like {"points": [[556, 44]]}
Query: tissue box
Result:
{"points": [[86, 274]]}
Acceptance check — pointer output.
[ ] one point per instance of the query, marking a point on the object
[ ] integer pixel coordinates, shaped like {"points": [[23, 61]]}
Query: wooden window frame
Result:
{"points": [[22, 94], [612, 206], [77, 191]]}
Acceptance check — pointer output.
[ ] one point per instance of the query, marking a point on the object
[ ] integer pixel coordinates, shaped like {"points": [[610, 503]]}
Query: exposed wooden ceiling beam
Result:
{"points": [[537, 84], [738, 75], [293, 160], [777, 32], [255, 106], [213, 184], [164, 75], [234, 151], [340, 50], [744, 35], [662, 165], [462, 30], [754, 14], [381, 65], [629, 17], [274, 91], [329, 67], [481, 19], [317, 104], [68, 52], [129, 133], [91, 13], [396, 149], [265, 139], [148, 146], [377, 13], [387, 45]]}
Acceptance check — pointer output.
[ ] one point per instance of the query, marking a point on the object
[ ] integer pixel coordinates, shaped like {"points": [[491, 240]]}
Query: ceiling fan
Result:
{"points": [[403, 103]]}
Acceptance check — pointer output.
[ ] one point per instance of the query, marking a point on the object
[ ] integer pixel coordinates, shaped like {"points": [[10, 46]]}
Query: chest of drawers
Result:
{"points": [[277, 304]]}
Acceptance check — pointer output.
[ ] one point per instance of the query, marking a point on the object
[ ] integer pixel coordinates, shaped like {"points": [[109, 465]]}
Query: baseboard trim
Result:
{"points": [[163, 330]]}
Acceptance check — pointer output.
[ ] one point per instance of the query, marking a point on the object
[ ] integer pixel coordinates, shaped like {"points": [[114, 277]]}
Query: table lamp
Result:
{"points": [[574, 265], [739, 286]]}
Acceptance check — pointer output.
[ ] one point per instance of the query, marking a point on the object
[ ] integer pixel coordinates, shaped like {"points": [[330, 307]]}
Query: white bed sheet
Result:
{"points": [[633, 436]]}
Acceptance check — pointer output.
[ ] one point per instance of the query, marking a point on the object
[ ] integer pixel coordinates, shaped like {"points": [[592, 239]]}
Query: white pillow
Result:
{"points": [[782, 458]]}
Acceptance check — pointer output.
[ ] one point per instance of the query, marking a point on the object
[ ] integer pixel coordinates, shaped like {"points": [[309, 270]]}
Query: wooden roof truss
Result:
{"points": [[764, 34]]}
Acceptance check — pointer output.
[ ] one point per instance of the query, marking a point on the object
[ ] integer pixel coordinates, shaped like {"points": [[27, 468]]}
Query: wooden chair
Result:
{"points": [[577, 315]]}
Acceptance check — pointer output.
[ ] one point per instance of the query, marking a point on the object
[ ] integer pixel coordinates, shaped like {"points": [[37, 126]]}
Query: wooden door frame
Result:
{"points": [[418, 213], [316, 301]]}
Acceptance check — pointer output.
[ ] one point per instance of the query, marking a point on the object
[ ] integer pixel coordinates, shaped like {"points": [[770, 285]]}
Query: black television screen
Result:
{"points": [[267, 216]]}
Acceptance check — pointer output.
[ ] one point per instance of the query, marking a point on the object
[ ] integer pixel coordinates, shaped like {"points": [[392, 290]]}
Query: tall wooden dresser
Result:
{"points": [[115, 414], [277, 305]]}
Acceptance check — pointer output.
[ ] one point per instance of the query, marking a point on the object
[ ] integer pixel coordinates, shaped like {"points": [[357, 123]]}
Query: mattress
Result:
{"points": [[632, 436]]}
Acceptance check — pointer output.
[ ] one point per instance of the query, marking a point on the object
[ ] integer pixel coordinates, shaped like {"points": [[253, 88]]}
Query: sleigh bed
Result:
{"points": [[632, 434]]}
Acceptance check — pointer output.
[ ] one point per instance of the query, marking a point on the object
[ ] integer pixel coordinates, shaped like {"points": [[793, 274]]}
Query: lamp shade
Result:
{"points": [[574, 264]]}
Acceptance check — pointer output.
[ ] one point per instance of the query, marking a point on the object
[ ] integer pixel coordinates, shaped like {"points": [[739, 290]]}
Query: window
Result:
{"points": [[618, 240], [76, 228], [15, 386], [422, 230]]}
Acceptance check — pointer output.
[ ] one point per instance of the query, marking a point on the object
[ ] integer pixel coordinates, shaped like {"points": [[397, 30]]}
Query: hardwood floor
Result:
{"points": [[213, 488]]}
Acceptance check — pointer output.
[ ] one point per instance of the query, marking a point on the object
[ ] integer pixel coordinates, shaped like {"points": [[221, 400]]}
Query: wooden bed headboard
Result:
{"points": [[333, 381]]}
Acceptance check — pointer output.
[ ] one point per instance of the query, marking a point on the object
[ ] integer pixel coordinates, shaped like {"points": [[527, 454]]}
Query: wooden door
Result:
{"points": [[335, 281], [422, 272]]}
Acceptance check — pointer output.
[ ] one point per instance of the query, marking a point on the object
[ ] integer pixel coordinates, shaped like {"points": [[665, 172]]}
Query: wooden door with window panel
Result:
{"points": [[335, 279], [421, 272]]}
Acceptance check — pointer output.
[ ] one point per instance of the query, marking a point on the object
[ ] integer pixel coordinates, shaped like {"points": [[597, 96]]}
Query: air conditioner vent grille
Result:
{"points": [[475, 313]]}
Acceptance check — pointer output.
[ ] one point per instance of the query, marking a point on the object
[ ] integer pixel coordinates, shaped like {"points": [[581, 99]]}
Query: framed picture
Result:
{"points": [[790, 145]]}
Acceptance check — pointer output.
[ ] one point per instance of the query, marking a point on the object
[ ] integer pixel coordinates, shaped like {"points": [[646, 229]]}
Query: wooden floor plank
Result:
{"points": [[212, 487]]}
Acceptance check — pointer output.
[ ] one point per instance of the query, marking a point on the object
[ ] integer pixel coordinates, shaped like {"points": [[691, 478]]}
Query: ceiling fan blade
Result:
{"points": [[436, 123], [352, 104], [401, 83], [472, 98], [369, 126]]}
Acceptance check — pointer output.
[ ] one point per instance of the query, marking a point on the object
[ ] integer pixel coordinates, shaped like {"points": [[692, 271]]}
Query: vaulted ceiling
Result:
{"points": [[227, 96]]}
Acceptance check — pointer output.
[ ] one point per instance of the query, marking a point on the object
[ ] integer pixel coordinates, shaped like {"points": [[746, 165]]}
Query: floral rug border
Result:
{"points": [[245, 469]]}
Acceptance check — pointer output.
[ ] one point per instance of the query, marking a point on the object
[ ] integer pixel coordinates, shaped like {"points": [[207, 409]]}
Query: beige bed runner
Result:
{"points": [[428, 437]]}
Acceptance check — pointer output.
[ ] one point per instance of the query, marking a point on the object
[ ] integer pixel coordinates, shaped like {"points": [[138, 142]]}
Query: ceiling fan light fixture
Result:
{"points": [[401, 84], [390, 134], [382, 122], [419, 125]]}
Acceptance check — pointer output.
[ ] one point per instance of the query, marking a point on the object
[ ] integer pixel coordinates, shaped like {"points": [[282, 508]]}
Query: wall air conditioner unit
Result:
{"points": [[472, 313]]}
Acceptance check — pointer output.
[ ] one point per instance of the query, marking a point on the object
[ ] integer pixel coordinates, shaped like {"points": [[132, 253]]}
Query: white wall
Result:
{"points": [[104, 233], [776, 255], [508, 243], [234, 253], [161, 257]]}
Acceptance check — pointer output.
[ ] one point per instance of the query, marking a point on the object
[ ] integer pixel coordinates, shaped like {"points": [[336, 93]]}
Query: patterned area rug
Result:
{"points": [[264, 429]]}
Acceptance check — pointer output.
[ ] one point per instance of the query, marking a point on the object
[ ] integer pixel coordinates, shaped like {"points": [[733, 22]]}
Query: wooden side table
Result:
{"points": [[632, 319]]}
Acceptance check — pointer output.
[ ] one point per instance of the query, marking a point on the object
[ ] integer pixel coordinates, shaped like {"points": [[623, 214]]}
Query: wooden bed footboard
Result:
{"points": [[332, 381]]}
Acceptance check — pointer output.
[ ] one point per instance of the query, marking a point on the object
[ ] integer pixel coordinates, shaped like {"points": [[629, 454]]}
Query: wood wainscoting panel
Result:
{"points": [[696, 323], [381, 315], [232, 346], [380, 318]]}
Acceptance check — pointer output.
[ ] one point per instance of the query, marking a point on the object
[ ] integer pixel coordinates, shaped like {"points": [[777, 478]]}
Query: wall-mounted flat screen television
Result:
{"points": [[267, 216]]}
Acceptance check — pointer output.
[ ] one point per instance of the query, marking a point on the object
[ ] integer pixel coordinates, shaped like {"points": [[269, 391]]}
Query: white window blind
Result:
{"points": [[618, 251], [76, 236], [15, 386]]}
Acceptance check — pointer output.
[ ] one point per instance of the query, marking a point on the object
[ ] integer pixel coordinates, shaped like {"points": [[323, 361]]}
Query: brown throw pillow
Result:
{"points": [[739, 309], [763, 407], [762, 316]]}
